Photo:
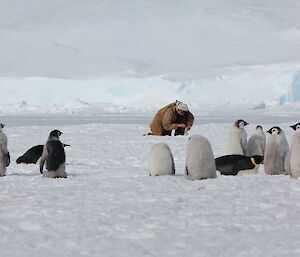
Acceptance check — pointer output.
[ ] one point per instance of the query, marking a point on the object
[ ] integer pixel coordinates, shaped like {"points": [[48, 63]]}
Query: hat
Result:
{"points": [[182, 107]]}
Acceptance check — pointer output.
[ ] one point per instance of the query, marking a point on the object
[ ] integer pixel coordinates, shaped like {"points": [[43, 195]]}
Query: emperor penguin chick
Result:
{"points": [[4, 154], [200, 162], [257, 143], [161, 160], [294, 154], [236, 142], [54, 155], [276, 153]]}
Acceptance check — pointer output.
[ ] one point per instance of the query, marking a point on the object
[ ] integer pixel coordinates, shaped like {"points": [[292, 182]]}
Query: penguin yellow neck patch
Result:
{"points": [[253, 171]]}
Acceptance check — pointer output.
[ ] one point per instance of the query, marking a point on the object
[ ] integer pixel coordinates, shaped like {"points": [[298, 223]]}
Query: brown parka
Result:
{"points": [[168, 119]]}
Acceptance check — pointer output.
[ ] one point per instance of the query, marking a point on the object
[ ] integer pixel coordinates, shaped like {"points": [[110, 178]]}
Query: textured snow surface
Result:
{"points": [[110, 206]]}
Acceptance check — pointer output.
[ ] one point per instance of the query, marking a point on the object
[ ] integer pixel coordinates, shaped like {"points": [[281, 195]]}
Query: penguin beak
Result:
{"points": [[246, 123], [269, 131], [293, 127]]}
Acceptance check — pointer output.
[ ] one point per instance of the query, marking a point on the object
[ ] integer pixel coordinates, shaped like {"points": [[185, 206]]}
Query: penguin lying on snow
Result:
{"points": [[293, 157], [33, 155], [54, 156], [237, 164], [200, 162], [161, 160], [236, 142], [4, 154]]}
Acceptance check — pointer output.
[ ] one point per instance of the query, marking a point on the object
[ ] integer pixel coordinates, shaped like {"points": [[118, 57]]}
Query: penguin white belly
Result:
{"points": [[2, 165], [161, 160], [249, 172], [234, 143], [294, 158], [274, 161], [3, 150], [200, 162], [59, 173], [255, 147]]}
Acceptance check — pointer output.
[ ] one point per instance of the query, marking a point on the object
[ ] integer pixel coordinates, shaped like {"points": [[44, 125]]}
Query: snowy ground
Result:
{"points": [[109, 206]]}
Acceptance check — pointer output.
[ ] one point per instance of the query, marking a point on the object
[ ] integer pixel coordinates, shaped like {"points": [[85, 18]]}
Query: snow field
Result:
{"points": [[110, 206]]}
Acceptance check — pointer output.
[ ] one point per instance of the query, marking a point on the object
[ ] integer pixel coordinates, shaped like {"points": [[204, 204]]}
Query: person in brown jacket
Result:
{"points": [[175, 116]]}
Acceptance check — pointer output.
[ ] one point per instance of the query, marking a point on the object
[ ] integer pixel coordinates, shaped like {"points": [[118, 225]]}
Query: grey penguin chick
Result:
{"points": [[294, 154], [54, 156], [276, 154], [200, 161], [236, 142], [257, 142], [161, 160], [4, 153]]}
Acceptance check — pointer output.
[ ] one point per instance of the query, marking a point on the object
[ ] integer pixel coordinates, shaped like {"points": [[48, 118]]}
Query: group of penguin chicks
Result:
{"points": [[241, 157], [52, 154]]}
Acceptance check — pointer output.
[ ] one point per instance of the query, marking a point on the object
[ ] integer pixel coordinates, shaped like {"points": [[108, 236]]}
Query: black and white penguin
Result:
{"points": [[236, 142], [294, 153], [161, 160], [257, 142], [4, 153], [54, 155], [276, 154], [239, 165], [33, 155], [200, 161]]}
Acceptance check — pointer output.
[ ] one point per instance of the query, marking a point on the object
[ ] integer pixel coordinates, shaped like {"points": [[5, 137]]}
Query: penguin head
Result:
{"points": [[258, 159], [55, 133], [296, 126], [274, 131], [259, 127], [240, 123]]}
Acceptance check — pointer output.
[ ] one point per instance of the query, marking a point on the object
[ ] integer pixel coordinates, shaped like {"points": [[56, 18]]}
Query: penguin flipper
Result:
{"points": [[42, 166], [7, 159]]}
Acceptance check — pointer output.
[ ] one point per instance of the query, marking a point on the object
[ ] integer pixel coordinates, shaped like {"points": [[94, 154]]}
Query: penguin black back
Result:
{"points": [[32, 155], [232, 164], [56, 154]]}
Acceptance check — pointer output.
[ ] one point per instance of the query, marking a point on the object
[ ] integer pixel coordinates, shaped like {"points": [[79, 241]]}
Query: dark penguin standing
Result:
{"points": [[4, 154], [236, 164], [33, 155], [54, 155]]}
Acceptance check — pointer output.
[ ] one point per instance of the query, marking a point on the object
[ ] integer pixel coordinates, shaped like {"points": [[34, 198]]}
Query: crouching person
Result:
{"points": [[175, 116]]}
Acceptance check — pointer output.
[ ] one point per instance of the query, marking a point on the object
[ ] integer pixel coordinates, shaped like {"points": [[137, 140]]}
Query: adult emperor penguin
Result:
{"points": [[239, 165], [257, 142], [276, 154], [4, 154], [236, 142], [161, 160], [200, 162], [54, 155], [294, 153]]}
